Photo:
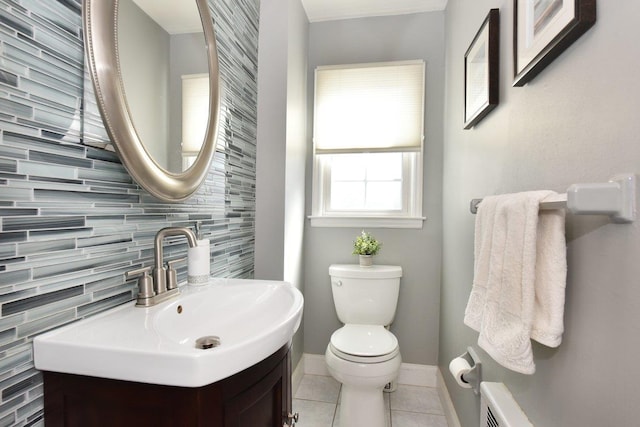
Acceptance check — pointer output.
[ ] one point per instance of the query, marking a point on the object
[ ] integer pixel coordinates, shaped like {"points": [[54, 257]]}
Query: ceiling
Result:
{"points": [[175, 16], [178, 16], [329, 10]]}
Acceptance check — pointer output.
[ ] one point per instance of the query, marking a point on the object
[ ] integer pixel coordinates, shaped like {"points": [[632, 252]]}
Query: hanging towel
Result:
{"points": [[519, 278], [551, 278]]}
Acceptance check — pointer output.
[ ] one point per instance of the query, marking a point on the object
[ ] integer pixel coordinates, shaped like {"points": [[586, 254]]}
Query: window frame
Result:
{"points": [[412, 169], [409, 217]]}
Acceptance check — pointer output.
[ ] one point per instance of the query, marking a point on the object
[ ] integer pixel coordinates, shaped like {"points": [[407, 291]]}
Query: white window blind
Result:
{"points": [[369, 107], [195, 111]]}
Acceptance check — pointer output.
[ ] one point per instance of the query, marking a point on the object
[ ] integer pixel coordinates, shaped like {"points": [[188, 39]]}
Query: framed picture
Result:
{"points": [[482, 71], [543, 29]]}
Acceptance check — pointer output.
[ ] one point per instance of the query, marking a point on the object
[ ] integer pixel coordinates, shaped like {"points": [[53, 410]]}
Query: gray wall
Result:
{"points": [[144, 60], [71, 220], [417, 36], [272, 134], [282, 135], [576, 122]]}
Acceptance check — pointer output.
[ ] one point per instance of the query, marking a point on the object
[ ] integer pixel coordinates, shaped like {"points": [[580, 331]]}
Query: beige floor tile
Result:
{"points": [[318, 400], [319, 388], [414, 419], [387, 415], [314, 414]]}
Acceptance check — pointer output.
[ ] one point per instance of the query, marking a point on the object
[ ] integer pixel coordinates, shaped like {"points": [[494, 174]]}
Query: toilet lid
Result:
{"points": [[364, 340]]}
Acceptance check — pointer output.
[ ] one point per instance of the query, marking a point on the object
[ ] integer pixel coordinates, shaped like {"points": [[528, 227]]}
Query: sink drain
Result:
{"points": [[206, 343]]}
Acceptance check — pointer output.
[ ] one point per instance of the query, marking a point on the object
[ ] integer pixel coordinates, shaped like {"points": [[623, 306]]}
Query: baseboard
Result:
{"points": [[296, 376], [445, 399], [410, 374]]}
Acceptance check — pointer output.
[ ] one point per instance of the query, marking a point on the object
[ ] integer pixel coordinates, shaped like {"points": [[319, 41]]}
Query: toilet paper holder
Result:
{"points": [[474, 376]]}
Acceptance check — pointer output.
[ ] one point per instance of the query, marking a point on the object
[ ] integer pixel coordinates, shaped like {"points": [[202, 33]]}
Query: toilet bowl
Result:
{"points": [[363, 378], [363, 355]]}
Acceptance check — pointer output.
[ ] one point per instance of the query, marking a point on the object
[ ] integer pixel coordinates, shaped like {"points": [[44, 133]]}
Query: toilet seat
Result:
{"points": [[364, 344]]}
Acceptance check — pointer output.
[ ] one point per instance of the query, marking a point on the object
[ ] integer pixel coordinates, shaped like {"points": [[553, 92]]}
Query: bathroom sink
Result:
{"points": [[242, 322]]}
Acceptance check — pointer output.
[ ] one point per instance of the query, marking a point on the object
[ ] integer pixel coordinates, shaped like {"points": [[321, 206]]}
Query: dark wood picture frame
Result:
{"points": [[482, 71], [561, 32]]}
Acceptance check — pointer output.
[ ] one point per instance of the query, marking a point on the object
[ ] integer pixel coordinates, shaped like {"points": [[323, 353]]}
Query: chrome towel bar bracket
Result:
{"points": [[615, 198]]}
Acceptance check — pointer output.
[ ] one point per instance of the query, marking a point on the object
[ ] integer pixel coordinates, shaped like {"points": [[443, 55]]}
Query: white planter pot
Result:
{"points": [[366, 260]]}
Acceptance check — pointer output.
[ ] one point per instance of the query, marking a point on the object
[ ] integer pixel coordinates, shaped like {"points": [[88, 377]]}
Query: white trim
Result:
{"points": [[416, 180], [330, 10], [320, 151], [410, 374], [368, 222], [371, 64], [296, 376], [447, 404], [410, 216]]}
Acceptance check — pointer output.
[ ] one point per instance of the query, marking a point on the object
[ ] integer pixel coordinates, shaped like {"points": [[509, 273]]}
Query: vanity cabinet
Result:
{"points": [[259, 396]]}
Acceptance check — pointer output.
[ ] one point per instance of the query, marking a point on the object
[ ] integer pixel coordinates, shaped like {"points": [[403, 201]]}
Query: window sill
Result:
{"points": [[369, 222]]}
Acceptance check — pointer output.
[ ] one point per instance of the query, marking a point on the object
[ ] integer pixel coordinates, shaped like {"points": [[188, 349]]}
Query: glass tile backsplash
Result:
{"points": [[72, 221]]}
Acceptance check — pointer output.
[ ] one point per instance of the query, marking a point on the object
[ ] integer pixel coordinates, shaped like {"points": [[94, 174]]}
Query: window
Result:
{"points": [[368, 135], [195, 115]]}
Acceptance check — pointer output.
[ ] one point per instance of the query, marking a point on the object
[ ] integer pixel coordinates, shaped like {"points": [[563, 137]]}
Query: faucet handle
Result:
{"points": [[172, 275], [145, 283]]}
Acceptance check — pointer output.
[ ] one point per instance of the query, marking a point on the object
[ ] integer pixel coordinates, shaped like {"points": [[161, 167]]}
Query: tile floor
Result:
{"points": [[318, 399]]}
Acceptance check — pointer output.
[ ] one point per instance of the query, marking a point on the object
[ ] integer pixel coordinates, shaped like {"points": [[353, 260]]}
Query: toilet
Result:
{"points": [[363, 355]]}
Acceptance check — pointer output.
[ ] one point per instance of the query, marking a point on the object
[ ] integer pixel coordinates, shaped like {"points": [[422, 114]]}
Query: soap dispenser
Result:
{"points": [[198, 260]]}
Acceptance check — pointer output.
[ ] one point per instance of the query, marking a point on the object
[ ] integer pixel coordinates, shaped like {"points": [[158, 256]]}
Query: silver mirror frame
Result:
{"points": [[101, 43]]}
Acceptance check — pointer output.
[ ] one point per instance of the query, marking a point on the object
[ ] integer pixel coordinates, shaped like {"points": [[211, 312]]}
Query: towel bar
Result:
{"points": [[559, 203], [616, 198]]}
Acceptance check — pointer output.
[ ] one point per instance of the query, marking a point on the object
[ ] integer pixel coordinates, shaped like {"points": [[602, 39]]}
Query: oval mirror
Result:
{"points": [[157, 87]]}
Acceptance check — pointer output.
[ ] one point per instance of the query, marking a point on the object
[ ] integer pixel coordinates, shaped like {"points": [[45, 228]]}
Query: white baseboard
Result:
{"points": [[410, 374], [296, 376], [447, 404]]}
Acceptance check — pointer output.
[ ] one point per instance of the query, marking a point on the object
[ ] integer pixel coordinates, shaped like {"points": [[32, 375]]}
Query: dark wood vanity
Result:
{"points": [[259, 396]]}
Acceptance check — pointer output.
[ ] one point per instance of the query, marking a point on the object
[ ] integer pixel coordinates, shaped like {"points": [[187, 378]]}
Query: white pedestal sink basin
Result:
{"points": [[157, 345]]}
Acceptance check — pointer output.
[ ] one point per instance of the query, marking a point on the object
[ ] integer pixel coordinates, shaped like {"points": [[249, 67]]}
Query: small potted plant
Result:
{"points": [[366, 246]]}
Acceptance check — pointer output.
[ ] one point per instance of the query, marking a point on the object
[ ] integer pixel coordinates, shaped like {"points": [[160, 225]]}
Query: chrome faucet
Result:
{"points": [[162, 285], [160, 281]]}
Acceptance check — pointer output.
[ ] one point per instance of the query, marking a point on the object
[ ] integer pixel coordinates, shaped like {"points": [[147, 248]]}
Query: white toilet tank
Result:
{"points": [[365, 295]]}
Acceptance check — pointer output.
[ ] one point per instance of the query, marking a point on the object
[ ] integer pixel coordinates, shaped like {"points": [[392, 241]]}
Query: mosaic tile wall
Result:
{"points": [[72, 222]]}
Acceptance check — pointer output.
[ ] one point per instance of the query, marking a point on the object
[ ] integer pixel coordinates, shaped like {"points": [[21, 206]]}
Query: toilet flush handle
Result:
{"points": [[338, 282]]}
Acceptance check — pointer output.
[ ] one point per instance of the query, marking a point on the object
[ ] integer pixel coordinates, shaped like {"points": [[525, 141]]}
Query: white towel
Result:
{"points": [[551, 278], [519, 278]]}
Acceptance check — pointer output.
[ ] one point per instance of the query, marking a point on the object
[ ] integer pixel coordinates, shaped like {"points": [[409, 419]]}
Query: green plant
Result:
{"points": [[366, 244]]}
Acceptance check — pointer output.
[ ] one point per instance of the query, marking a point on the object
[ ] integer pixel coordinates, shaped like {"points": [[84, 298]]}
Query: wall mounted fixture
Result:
{"points": [[101, 21], [467, 370], [615, 198]]}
